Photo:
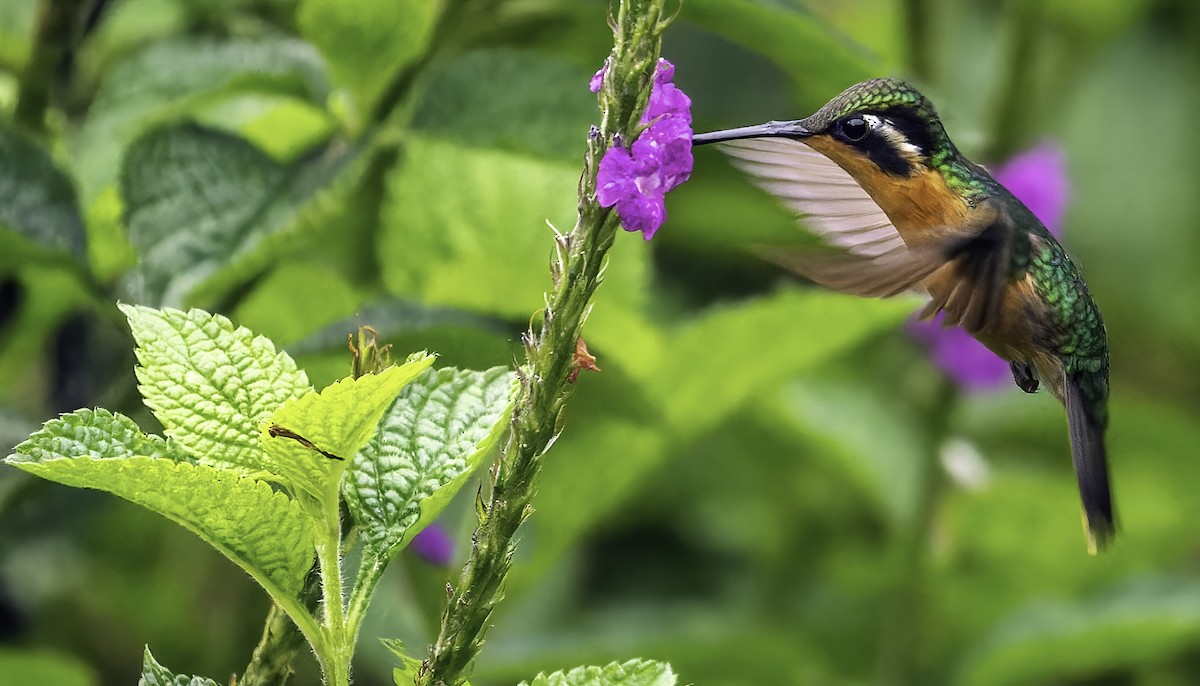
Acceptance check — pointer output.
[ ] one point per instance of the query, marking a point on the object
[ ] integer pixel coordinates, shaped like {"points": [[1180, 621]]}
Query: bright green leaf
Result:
{"points": [[455, 216], [19, 667], [16, 28], [717, 363], [336, 423], [206, 209], [168, 79], [283, 126], [154, 674], [367, 42], [632, 673], [211, 385], [39, 203], [259, 528], [1047, 642], [435, 434], [509, 99]]}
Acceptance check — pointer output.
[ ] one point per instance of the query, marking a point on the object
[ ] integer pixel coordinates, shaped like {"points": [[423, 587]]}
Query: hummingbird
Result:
{"points": [[874, 174]]}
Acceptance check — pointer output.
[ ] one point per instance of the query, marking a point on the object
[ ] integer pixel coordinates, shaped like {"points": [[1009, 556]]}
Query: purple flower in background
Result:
{"points": [[636, 179], [433, 545], [1038, 178]]}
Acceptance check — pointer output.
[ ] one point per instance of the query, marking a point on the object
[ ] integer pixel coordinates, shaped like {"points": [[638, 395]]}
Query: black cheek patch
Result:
{"points": [[885, 156]]}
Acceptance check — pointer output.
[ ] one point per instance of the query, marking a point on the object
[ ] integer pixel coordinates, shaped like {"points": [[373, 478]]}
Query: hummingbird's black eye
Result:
{"points": [[855, 129]]}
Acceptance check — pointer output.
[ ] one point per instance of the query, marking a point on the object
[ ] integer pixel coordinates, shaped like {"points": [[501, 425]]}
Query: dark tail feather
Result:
{"points": [[1091, 466]]}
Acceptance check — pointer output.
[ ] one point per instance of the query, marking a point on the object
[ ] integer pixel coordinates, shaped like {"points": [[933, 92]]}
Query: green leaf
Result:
{"points": [[35, 667], [168, 79], [154, 674], [259, 528], [39, 203], [885, 462], [820, 62], [1144, 622], [206, 209], [632, 673], [717, 363], [367, 42], [410, 667], [432, 438], [283, 126], [456, 215], [515, 100], [396, 318], [211, 385], [324, 430], [17, 19]]}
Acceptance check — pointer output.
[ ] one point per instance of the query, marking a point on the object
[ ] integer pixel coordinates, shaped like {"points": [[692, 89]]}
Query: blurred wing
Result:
{"points": [[970, 286], [876, 261]]}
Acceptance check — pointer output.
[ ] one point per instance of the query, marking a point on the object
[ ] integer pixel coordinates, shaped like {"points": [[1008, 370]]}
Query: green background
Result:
{"points": [[752, 487]]}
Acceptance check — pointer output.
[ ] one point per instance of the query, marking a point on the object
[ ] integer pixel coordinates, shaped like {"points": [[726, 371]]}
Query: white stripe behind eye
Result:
{"points": [[895, 136]]}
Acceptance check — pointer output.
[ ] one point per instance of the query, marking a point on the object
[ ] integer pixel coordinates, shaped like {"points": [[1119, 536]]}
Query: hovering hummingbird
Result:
{"points": [[875, 175]]}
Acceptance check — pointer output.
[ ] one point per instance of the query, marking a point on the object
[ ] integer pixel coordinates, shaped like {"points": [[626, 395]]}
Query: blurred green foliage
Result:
{"points": [[752, 487]]}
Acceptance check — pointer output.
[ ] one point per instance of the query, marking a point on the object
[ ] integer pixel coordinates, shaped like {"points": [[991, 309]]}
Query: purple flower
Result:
{"points": [[1038, 178], [433, 545], [636, 179]]}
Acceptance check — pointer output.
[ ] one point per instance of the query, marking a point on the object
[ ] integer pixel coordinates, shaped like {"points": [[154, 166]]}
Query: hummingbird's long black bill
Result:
{"points": [[772, 129]]}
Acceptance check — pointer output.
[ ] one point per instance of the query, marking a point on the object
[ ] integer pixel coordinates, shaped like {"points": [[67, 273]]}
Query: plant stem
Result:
{"points": [[281, 642], [1016, 92], [545, 386], [920, 45], [902, 637], [56, 24]]}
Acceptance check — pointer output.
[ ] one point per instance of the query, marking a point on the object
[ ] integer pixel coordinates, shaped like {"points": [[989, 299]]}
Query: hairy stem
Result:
{"points": [[550, 351], [281, 643]]}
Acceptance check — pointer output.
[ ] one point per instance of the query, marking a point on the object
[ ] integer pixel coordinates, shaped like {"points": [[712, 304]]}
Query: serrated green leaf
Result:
{"points": [[338, 421], [169, 78], [39, 203], [1055, 642], [455, 215], [632, 673], [211, 385], [715, 364], [508, 99], [820, 62], [367, 42], [154, 674], [205, 209], [259, 528], [432, 438]]}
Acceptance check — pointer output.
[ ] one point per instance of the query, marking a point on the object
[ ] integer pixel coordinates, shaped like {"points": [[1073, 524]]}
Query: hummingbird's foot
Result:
{"points": [[1025, 377]]}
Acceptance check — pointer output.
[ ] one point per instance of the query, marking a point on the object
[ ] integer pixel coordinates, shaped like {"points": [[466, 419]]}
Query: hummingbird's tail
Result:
{"points": [[1085, 419]]}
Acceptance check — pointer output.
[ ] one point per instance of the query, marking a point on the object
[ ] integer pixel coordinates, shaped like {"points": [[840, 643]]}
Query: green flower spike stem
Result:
{"points": [[545, 378]]}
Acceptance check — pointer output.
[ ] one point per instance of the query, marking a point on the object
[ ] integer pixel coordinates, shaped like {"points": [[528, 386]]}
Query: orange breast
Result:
{"points": [[921, 206]]}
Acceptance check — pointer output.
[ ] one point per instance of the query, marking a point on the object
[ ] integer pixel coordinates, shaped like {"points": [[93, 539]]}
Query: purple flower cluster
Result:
{"points": [[636, 179], [1038, 178]]}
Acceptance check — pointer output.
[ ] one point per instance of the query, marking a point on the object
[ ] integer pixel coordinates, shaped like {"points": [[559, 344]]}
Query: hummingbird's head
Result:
{"points": [[880, 127], [888, 138]]}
